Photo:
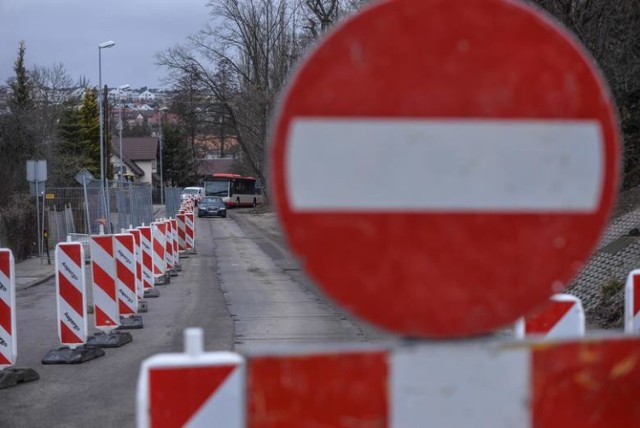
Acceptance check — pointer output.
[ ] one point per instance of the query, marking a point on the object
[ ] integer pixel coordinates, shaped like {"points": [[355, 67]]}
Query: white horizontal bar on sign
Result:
{"points": [[444, 165], [460, 385]]}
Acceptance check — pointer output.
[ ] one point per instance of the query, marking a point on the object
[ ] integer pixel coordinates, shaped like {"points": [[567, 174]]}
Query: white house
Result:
{"points": [[139, 156], [146, 96]]}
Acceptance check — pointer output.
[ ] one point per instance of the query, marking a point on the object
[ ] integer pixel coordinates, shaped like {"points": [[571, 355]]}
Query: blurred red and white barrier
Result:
{"points": [[632, 303], [8, 340], [474, 384], [561, 317]]}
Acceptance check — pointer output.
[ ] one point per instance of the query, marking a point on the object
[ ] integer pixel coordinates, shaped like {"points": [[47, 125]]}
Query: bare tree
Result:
{"points": [[242, 61], [611, 32], [52, 86]]}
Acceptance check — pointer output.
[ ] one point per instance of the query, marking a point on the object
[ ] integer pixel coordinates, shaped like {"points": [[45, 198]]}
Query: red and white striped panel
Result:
{"points": [[169, 246], [138, 255], [8, 339], [159, 247], [71, 294], [146, 245], [632, 303], [182, 390], [562, 317], [174, 240], [190, 230], [182, 244], [126, 273], [103, 271], [587, 384]]}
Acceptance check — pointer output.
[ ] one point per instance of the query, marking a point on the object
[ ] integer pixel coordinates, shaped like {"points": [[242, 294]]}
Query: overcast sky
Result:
{"points": [[69, 31]]}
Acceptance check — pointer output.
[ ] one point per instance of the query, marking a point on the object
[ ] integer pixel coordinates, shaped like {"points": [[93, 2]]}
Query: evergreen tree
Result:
{"points": [[178, 163], [90, 131], [21, 89]]}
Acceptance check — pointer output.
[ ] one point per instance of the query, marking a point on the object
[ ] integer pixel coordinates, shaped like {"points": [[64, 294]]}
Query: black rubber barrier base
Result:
{"points": [[150, 293], [163, 280], [143, 306], [115, 339], [173, 273], [13, 376], [184, 255], [178, 267], [133, 322], [66, 355]]}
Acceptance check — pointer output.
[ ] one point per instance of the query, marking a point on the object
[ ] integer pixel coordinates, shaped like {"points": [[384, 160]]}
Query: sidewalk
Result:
{"points": [[32, 272]]}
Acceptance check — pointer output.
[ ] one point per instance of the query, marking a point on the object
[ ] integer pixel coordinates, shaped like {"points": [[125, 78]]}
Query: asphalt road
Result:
{"points": [[241, 287]]}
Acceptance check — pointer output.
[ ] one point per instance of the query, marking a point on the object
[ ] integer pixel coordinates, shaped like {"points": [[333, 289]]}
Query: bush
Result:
{"points": [[18, 225]]}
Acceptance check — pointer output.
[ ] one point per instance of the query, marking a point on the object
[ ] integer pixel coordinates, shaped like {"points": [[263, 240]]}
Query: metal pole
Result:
{"points": [[38, 212], [101, 120], [161, 175], [120, 137], [86, 205]]}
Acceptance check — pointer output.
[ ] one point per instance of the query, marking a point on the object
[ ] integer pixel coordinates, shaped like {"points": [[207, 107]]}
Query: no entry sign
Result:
{"points": [[444, 166]]}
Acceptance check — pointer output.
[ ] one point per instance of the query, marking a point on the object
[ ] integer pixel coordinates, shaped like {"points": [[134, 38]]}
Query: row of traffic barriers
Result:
{"points": [[126, 268]]}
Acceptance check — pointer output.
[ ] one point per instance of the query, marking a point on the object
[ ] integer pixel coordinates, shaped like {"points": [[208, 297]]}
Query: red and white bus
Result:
{"points": [[235, 190]]}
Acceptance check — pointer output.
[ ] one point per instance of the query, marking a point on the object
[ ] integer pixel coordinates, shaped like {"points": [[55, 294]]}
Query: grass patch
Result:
{"points": [[610, 288]]}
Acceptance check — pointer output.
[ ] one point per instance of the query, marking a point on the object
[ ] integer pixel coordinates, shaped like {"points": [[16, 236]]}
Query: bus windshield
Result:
{"points": [[216, 188]]}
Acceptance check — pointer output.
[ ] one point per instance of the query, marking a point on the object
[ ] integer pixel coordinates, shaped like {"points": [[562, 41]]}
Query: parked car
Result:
{"points": [[212, 206], [196, 192]]}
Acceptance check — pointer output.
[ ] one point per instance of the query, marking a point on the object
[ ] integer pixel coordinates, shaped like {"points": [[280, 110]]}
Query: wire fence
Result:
{"points": [[79, 211], [172, 200]]}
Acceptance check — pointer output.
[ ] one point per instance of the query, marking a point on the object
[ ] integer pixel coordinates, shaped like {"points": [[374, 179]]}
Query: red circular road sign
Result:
{"points": [[443, 166]]}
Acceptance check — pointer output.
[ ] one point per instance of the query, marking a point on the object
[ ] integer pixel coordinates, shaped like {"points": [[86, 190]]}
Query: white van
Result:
{"points": [[197, 192]]}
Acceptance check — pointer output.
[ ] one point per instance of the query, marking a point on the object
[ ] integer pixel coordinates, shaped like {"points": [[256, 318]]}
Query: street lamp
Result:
{"points": [[121, 88], [103, 45], [160, 139]]}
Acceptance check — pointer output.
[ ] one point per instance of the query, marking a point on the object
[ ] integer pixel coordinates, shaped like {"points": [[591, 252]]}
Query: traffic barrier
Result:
{"points": [[632, 303], [71, 303], [106, 309], [191, 389], [171, 268], [138, 256], [10, 375], [562, 317], [160, 274], [182, 244], [190, 232], [174, 240], [566, 383], [146, 245], [124, 251], [8, 342]]}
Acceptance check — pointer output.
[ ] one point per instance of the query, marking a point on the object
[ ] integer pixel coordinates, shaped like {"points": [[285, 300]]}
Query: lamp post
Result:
{"points": [[103, 45], [160, 139], [103, 182], [121, 88]]}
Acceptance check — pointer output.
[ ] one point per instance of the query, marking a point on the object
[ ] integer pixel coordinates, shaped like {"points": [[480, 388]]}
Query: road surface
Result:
{"points": [[242, 287]]}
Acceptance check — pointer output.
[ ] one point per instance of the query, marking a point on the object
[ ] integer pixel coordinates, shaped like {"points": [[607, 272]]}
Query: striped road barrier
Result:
{"points": [[71, 303], [561, 317], [10, 375]]}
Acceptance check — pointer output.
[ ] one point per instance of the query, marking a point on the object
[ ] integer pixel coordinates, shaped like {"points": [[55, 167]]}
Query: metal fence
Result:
{"points": [[79, 211], [133, 205], [172, 200]]}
